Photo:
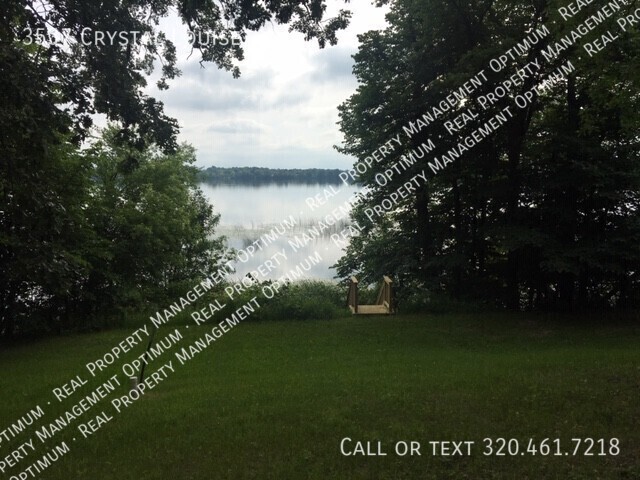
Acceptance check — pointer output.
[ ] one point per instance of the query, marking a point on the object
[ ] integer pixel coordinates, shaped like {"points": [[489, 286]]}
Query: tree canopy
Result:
{"points": [[543, 212], [98, 241], [53, 48]]}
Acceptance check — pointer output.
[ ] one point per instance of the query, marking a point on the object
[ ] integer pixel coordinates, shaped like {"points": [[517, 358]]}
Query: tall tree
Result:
{"points": [[529, 216], [155, 229]]}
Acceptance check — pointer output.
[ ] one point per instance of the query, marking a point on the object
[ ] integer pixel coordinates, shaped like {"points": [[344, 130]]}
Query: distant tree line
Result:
{"points": [[262, 176]]}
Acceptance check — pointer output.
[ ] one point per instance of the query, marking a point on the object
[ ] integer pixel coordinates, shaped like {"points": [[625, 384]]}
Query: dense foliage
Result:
{"points": [[262, 176], [106, 240], [542, 214], [300, 300]]}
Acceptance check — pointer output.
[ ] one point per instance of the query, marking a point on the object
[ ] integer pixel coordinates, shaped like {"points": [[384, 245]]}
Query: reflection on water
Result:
{"points": [[250, 213]]}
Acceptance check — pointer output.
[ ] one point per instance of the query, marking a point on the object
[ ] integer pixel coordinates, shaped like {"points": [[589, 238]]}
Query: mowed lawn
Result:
{"points": [[274, 400]]}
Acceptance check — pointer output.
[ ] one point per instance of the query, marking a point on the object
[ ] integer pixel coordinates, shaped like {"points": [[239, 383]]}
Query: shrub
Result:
{"points": [[304, 300], [424, 301]]}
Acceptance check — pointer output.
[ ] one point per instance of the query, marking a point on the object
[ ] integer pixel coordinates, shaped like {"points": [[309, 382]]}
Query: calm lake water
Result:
{"points": [[247, 212]]}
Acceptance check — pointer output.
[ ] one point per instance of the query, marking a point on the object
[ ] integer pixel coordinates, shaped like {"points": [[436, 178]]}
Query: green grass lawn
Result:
{"points": [[274, 400]]}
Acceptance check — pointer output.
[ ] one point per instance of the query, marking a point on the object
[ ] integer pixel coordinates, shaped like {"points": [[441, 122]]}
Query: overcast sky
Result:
{"points": [[282, 111]]}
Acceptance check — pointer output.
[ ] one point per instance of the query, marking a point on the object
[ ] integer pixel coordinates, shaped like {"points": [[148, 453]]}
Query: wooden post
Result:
{"points": [[389, 293], [384, 295], [355, 292], [352, 296]]}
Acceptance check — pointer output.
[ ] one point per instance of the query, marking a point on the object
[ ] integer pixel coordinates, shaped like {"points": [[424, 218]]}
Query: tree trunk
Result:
{"points": [[423, 228], [568, 226], [459, 236]]}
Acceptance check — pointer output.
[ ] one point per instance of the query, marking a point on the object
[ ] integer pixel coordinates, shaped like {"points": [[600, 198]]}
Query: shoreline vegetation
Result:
{"points": [[257, 176], [307, 300]]}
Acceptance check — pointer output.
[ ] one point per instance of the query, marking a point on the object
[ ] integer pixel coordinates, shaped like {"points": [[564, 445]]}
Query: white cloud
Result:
{"points": [[282, 112]]}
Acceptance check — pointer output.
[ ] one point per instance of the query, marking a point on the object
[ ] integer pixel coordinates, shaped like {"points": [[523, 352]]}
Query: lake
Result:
{"points": [[247, 212]]}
